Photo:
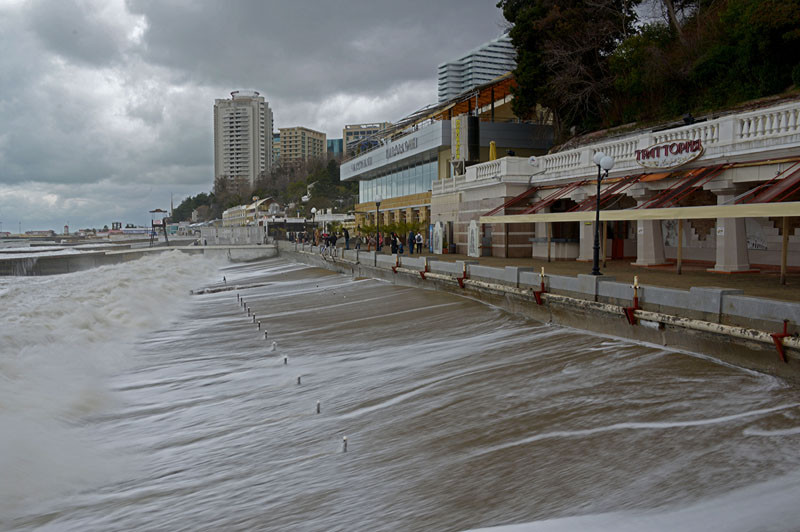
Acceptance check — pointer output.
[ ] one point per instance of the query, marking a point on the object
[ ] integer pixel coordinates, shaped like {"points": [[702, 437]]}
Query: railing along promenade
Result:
{"points": [[754, 135]]}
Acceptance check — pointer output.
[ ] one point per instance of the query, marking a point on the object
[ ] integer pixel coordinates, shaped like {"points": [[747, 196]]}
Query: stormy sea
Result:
{"points": [[154, 395]]}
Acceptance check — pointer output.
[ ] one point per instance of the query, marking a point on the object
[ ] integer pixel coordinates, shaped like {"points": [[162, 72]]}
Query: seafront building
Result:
{"points": [[249, 214], [299, 144], [478, 67], [242, 137], [719, 191], [432, 145]]}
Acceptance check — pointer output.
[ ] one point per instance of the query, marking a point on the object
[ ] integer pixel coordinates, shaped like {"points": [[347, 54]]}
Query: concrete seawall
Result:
{"points": [[721, 323], [58, 264]]}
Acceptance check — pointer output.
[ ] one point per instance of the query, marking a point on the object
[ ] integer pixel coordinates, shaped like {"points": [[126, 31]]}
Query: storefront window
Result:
{"points": [[414, 178]]}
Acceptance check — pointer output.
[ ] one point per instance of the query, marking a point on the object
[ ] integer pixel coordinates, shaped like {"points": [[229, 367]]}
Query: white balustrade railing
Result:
{"points": [[482, 171], [563, 161], [776, 127], [707, 132], [768, 123]]}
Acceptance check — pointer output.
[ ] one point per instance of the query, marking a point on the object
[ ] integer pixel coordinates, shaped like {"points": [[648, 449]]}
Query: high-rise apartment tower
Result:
{"points": [[242, 137], [480, 66]]}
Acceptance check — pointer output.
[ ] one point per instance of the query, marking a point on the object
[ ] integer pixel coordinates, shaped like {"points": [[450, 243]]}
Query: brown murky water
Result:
{"points": [[457, 416]]}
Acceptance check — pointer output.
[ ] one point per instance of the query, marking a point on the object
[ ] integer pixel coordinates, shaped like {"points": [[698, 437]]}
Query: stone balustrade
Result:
{"points": [[769, 132]]}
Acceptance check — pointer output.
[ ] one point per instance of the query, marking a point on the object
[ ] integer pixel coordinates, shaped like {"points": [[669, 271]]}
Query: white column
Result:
{"points": [[731, 233], [540, 233], [586, 251], [585, 233], [649, 240]]}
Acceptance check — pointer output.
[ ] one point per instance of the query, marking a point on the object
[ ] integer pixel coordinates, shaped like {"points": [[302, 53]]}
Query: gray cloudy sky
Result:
{"points": [[106, 105]]}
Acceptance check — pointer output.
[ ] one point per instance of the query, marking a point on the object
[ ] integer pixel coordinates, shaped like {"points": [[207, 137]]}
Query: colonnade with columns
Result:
{"points": [[731, 253]]}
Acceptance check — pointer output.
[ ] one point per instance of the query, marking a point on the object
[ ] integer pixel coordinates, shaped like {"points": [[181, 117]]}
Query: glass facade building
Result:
{"points": [[413, 175]]}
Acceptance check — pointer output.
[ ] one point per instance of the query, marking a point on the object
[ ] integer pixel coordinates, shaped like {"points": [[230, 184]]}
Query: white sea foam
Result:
{"points": [[645, 425], [61, 338]]}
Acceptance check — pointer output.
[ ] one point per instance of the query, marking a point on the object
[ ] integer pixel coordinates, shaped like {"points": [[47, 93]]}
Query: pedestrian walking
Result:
{"points": [[332, 246], [346, 238], [411, 242], [393, 242], [419, 242]]}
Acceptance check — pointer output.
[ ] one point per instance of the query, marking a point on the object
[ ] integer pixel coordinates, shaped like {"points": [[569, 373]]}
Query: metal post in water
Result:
{"points": [[254, 317], [265, 335], [344, 444], [317, 407], [274, 344], [285, 360], [259, 325], [298, 379]]}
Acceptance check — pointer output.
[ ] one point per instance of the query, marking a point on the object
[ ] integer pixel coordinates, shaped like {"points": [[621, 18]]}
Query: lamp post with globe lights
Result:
{"points": [[604, 164], [314, 223]]}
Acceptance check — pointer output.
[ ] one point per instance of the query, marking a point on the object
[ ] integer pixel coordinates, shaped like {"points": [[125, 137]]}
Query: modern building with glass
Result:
{"points": [[335, 148], [478, 67], [425, 148]]}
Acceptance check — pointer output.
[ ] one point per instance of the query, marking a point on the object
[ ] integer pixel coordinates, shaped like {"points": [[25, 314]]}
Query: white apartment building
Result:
{"points": [[479, 66], [242, 137]]}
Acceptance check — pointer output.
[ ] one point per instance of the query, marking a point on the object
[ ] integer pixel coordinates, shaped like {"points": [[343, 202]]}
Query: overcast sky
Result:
{"points": [[106, 105]]}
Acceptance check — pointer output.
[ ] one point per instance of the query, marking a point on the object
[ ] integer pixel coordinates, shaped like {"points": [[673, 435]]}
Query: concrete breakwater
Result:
{"points": [[58, 264], [723, 323]]}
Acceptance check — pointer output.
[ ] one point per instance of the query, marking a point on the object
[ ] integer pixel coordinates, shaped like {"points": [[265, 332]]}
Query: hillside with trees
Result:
{"points": [[317, 179], [596, 64]]}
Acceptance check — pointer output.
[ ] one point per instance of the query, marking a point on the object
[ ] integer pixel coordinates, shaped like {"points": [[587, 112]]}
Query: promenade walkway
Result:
{"points": [[764, 284]]}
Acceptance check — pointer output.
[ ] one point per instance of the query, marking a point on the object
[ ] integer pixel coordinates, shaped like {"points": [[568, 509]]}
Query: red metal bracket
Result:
{"points": [[463, 276], [423, 272], [778, 339], [394, 269], [537, 294], [630, 310]]}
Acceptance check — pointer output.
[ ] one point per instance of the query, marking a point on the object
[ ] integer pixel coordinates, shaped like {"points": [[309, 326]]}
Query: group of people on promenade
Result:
{"points": [[327, 242]]}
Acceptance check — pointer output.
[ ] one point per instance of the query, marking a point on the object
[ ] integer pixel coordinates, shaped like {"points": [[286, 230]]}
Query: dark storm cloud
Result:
{"points": [[310, 49], [99, 97], [75, 31]]}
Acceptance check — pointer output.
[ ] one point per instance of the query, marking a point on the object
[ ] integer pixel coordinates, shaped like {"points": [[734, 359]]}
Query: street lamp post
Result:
{"points": [[604, 164], [314, 224], [378, 200]]}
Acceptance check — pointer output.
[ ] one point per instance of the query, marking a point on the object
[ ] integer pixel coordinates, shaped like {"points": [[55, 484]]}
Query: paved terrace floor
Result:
{"points": [[766, 283]]}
